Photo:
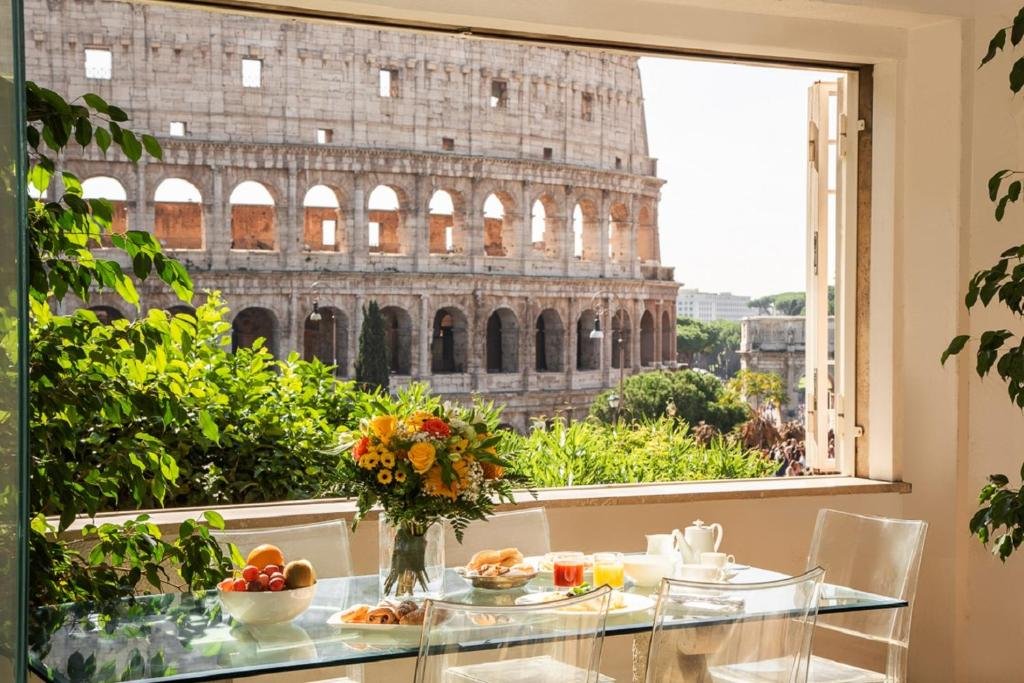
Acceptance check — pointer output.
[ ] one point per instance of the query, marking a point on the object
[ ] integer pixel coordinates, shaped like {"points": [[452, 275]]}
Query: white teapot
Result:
{"points": [[699, 538]]}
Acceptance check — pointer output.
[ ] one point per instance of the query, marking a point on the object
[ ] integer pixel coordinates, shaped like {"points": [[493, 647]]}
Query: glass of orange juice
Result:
{"points": [[608, 570]]}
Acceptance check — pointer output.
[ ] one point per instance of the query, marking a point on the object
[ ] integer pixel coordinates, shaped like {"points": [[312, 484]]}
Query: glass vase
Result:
{"points": [[411, 559]]}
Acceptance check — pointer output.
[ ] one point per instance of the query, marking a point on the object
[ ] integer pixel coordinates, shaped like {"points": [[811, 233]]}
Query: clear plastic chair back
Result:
{"points": [[706, 632], [324, 544], [553, 642], [877, 555], [524, 529]]}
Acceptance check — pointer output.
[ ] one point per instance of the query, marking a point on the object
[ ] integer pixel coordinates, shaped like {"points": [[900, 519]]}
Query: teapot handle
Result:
{"points": [[718, 535], [679, 541]]}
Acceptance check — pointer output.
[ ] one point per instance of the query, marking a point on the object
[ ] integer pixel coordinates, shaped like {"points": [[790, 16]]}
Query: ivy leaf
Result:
{"points": [[955, 347]]}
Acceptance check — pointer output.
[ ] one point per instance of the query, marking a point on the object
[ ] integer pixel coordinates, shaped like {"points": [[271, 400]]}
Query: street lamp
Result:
{"points": [[597, 334], [316, 317]]}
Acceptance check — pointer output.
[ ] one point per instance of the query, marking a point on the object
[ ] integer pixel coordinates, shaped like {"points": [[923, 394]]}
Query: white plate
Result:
{"points": [[634, 602], [395, 629], [733, 567]]}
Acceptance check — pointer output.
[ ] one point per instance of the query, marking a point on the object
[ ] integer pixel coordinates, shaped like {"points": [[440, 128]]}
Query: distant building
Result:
{"points": [[708, 306]]}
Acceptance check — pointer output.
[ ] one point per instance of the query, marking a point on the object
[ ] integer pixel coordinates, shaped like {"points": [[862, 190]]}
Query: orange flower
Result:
{"points": [[434, 484], [384, 426], [360, 448], [491, 470]]}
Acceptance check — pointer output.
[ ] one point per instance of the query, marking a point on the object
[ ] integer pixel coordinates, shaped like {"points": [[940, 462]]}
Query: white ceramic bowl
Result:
{"points": [[267, 607], [647, 570]]}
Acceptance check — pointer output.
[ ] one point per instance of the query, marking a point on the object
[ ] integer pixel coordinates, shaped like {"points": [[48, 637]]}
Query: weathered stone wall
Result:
{"points": [[538, 150]]}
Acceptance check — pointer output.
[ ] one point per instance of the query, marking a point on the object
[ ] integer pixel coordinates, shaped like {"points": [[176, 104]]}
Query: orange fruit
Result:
{"points": [[265, 554]]}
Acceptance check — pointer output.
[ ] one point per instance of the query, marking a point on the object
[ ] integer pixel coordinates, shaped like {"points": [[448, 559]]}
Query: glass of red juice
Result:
{"points": [[567, 569]]}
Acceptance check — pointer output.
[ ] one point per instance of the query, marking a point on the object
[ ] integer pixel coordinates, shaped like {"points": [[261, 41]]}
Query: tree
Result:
{"points": [[712, 346], [789, 303], [759, 389], [1000, 519], [372, 368]]}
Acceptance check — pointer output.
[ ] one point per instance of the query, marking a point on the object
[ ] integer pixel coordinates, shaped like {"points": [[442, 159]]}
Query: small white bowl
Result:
{"points": [[647, 570], [266, 607]]}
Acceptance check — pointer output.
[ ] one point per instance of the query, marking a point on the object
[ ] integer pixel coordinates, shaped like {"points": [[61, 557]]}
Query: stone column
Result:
{"points": [[218, 231], [525, 228], [476, 341], [419, 227], [602, 222], [474, 229], [290, 233], [607, 344], [636, 310], [657, 334], [357, 326], [633, 268], [568, 236], [571, 341], [143, 218], [296, 324], [425, 330], [356, 227], [528, 344]]}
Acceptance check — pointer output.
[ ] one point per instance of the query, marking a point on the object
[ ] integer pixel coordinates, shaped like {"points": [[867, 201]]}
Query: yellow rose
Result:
{"points": [[384, 426], [434, 485], [384, 477], [421, 456]]}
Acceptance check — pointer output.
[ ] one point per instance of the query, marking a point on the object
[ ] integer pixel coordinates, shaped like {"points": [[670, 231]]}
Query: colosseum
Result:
{"points": [[496, 199]]}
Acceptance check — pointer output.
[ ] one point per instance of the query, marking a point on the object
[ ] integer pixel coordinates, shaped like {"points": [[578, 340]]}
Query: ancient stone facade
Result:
{"points": [[494, 198]]}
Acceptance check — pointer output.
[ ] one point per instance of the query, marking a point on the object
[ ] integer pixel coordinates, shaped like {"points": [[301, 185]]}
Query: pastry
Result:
{"points": [[413, 618], [405, 608], [483, 557], [356, 614], [382, 615], [510, 556]]}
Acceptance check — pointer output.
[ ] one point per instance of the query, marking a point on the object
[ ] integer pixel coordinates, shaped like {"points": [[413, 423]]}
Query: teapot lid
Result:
{"points": [[699, 523]]}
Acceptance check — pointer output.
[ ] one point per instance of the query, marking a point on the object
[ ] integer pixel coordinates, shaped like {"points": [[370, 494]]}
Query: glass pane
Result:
{"points": [[12, 465]]}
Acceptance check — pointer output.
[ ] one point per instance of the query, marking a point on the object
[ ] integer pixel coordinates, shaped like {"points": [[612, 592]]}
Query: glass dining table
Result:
{"points": [[187, 637]]}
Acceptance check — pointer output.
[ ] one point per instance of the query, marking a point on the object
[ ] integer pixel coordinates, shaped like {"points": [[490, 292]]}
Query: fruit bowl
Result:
{"points": [[266, 607]]}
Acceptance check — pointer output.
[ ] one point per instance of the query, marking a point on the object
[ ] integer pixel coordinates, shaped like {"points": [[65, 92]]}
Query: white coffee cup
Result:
{"points": [[720, 560], [700, 572]]}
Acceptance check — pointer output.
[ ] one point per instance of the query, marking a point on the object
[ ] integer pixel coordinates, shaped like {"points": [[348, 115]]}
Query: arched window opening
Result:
{"points": [[588, 351], [325, 337], [668, 336], [646, 235], [502, 341], [448, 342], [445, 224], [252, 324], [111, 189], [621, 340], [107, 314], [586, 231], [323, 223], [178, 214], [253, 217], [385, 221], [618, 233], [398, 336], [647, 339], [549, 341], [538, 225], [499, 233]]}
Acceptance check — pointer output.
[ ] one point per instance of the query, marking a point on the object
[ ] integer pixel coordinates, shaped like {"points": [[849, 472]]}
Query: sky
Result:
{"points": [[731, 142]]}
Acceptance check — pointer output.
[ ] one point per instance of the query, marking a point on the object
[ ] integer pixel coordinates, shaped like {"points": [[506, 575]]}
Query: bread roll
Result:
{"points": [[382, 615]]}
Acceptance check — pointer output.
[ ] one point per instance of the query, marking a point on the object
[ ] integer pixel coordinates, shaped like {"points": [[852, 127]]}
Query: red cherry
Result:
{"points": [[271, 569], [277, 583], [250, 572], [264, 581], [253, 587], [238, 585]]}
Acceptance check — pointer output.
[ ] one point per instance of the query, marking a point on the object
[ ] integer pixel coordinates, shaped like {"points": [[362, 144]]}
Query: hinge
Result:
{"points": [[815, 255], [862, 125], [812, 143], [858, 431], [842, 136]]}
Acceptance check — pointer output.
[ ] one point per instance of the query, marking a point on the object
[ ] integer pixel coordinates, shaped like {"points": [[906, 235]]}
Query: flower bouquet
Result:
{"points": [[424, 463]]}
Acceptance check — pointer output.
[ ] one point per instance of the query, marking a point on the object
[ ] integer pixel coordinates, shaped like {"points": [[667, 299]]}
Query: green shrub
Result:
{"points": [[696, 396], [592, 452]]}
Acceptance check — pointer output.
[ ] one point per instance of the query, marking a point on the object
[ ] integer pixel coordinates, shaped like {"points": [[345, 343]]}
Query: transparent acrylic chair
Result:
{"points": [[325, 544], [554, 642], [734, 633], [524, 529], [874, 554]]}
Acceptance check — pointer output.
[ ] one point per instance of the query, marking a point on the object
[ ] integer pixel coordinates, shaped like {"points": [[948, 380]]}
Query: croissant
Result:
{"points": [[510, 556], [382, 615], [484, 557], [356, 614], [405, 608], [413, 618]]}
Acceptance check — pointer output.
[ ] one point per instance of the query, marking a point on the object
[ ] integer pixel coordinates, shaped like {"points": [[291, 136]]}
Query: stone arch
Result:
{"points": [[386, 209], [647, 339], [618, 232], [323, 220], [178, 214], [588, 351], [446, 213], [111, 189], [586, 230], [499, 226], [549, 341], [253, 217], [181, 309], [622, 338], [449, 341], [668, 336], [502, 341], [107, 314], [544, 225], [327, 339], [398, 333], [646, 234], [255, 323]]}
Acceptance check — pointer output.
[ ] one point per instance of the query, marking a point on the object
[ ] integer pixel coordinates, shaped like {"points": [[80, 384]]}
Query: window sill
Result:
{"points": [[306, 511]]}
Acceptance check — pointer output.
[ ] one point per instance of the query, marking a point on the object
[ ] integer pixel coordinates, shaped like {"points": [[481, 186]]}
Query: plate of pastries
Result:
{"points": [[387, 615], [497, 569]]}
